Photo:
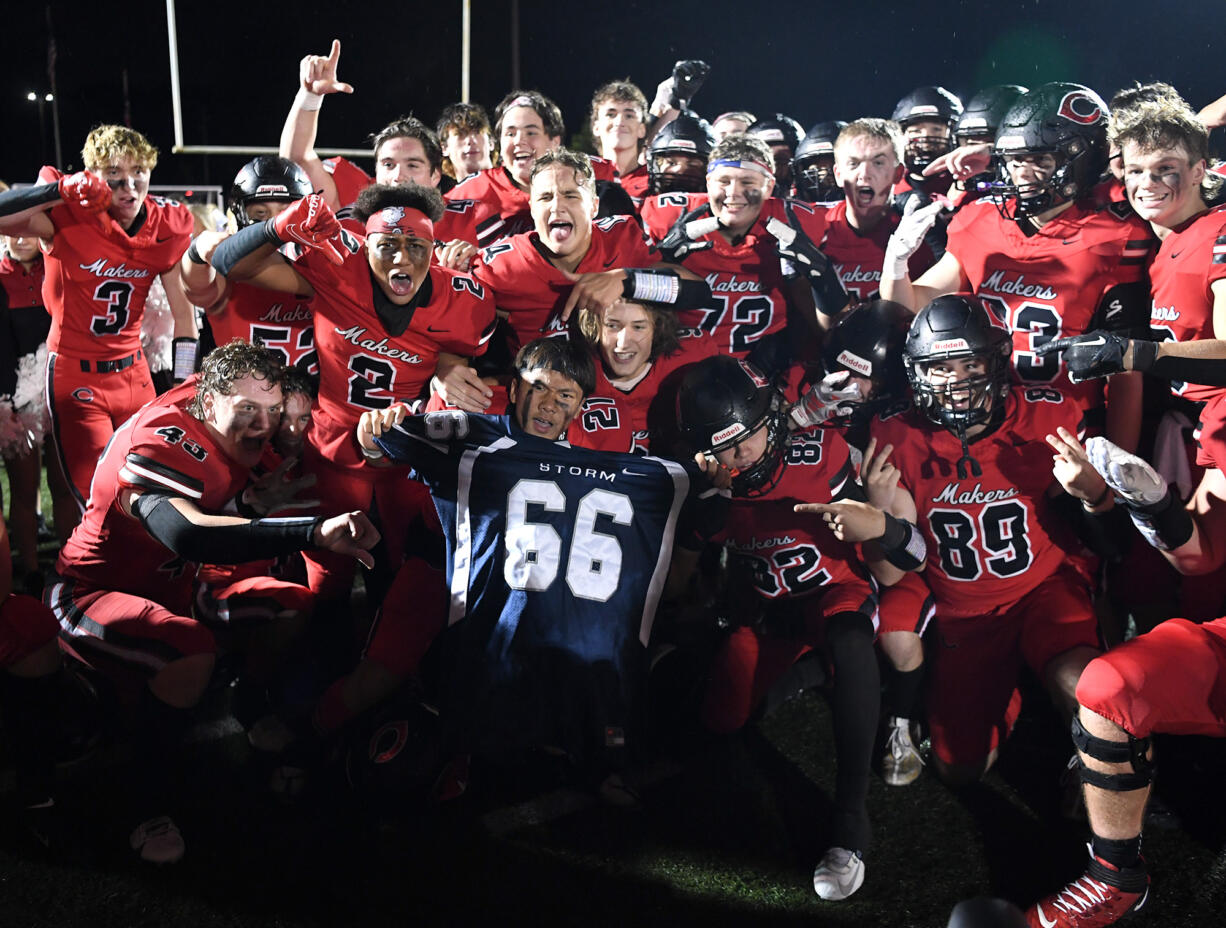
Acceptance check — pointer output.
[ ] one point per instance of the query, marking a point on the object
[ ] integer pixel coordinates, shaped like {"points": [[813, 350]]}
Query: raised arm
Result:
{"points": [[316, 79]]}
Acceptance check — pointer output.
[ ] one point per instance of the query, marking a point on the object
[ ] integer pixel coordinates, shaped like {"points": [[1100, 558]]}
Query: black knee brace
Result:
{"points": [[1113, 752]]}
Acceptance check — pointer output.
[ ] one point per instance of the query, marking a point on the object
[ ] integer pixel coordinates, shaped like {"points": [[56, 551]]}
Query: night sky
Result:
{"points": [[239, 61]]}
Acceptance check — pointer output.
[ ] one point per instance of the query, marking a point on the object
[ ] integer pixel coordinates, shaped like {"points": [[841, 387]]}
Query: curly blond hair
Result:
{"points": [[108, 144]]}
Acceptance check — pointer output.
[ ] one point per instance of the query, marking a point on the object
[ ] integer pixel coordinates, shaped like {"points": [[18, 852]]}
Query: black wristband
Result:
{"points": [[1166, 524], [193, 255], [23, 198], [901, 544], [1144, 353], [1209, 372]]}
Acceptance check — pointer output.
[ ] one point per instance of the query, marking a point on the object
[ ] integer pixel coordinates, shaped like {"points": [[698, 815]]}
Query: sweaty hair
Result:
{"points": [[109, 144], [1164, 123], [410, 127], [622, 91], [380, 196], [551, 116], [871, 127], [294, 380], [1153, 92], [230, 363], [741, 147], [664, 338], [577, 161], [561, 355]]}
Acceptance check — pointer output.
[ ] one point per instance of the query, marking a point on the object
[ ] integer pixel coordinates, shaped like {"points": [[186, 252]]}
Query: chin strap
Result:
{"points": [[967, 458]]}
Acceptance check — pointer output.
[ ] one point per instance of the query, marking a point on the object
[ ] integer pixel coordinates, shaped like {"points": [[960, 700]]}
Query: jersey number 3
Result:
{"points": [[535, 549]]}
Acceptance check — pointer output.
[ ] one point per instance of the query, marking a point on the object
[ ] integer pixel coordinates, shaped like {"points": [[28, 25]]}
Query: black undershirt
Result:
{"points": [[396, 319]]}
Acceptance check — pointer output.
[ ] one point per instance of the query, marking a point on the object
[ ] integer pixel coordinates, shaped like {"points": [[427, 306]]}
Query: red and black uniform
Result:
{"points": [[26, 321], [1172, 679], [996, 564], [531, 292], [369, 360], [98, 277], [748, 301], [279, 321], [121, 595], [1191, 259], [1052, 283], [858, 256], [635, 183], [788, 574]]}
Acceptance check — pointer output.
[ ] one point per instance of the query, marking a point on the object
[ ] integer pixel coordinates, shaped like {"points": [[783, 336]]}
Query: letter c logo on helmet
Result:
{"points": [[1080, 108]]}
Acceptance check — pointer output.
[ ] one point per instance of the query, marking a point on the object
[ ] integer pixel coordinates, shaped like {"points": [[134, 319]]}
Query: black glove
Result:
{"points": [[811, 262], [677, 243], [687, 79], [1095, 354]]}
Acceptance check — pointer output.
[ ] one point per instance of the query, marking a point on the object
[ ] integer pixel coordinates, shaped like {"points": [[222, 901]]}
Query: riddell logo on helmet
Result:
{"points": [[951, 344], [724, 434], [770, 135], [684, 143], [973, 122], [855, 363], [1080, 108], [266, 190], [925, 109]]}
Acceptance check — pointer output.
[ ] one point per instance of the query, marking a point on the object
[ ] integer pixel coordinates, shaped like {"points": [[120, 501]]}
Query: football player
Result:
{"points": [[575, 546], [977, 127], [783, 134], [677, 156], [1164, 151], [405, 151], [927, 116], [813, 165], [972, 456], [865, 377], [868, 162], [793, 586], [637, 352], [104, 240], [619, 128], [123, 590], [263, 189], [467, 139], [738, 253], [383, 313], [735, 122], [1045, 259]]}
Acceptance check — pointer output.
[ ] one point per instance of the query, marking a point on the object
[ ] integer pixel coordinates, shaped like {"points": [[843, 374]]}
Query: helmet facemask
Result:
{"points": [[760, 478], [960, 405]]}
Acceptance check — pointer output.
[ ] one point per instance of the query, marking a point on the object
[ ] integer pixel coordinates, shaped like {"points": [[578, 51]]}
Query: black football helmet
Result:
{"points": [[396, 756], [958, 326], [927, 103], [868, 342], [783, 134], [266, 178], [813, 165], [1066, 120], [979, 122], [721, 402], [688, 134]]}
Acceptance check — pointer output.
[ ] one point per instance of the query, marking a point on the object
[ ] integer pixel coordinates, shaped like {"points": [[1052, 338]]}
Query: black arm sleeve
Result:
{"points": [[23, 198], [1124, 309], [1106, 534], [1210, 372], [242, 243], [256, 540]]}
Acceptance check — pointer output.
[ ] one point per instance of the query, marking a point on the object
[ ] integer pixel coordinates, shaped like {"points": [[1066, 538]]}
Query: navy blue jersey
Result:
{"points": [[554, 552]]}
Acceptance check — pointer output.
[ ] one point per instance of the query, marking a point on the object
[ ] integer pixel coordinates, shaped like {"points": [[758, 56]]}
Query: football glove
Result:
{"points": [[685, 236], [915, 223], [1131, 478], [311, 223], [1095, 354], [832, 396], [88, 191]]}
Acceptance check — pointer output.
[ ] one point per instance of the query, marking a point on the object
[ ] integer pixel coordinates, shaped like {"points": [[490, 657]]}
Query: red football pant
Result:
{"points": [[25, 626]]}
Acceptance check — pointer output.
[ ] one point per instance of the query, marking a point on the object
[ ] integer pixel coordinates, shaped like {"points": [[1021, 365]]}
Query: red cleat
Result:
{"points": [[1101, 896]]}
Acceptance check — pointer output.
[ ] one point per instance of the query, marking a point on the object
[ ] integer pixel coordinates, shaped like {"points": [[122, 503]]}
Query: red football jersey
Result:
{"points": [[1190, 260], [635, 183], [991, 539], [858, 256], [484, 208], [98, 276], [361, 365], [531, 292], [161, 449], [796, 555], [1211, 433], [1049, 284], [745, 279], [278, 321]]}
